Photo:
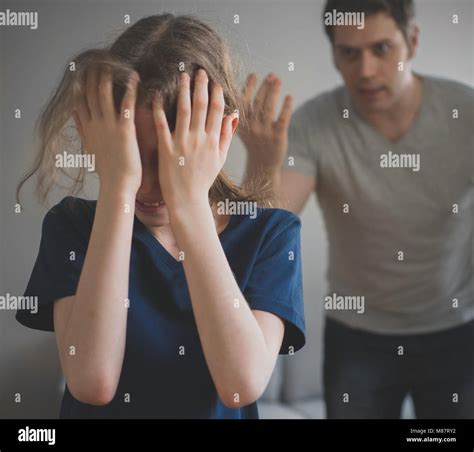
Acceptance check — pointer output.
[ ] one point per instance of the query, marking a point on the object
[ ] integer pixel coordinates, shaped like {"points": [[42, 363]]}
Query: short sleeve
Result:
{"points": [[275, 283], [300, 156], [57, 267]]}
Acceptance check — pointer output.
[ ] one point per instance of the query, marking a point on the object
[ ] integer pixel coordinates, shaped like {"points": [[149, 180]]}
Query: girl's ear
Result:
{"points": [[235, 121], [229, 124]]}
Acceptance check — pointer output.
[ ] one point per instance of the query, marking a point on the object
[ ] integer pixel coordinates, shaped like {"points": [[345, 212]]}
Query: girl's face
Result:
{"points": [[149, 192]]}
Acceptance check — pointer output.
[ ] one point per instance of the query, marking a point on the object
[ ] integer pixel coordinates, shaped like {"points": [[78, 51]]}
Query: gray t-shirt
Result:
{"points": [[399, 216]]}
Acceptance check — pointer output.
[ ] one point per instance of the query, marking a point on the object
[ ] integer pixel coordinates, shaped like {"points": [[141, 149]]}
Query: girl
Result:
{"points": [[162, 304]]}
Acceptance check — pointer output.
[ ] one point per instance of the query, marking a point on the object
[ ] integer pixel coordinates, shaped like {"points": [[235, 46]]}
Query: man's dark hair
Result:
{"points": [[401, 11]]}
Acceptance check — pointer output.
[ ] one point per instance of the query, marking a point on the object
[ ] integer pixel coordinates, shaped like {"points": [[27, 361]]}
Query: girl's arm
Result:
{"points": [[91, 326], [240, 346]]}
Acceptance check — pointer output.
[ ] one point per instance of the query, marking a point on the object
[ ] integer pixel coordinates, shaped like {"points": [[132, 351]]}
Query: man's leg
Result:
{"points": [[364, 374], [443, 374]]}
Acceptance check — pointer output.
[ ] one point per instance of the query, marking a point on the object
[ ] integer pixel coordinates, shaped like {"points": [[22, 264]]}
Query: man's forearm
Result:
{"points": [[257, 175]]}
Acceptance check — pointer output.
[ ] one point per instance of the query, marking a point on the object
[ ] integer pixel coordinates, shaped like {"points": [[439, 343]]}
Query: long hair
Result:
{"points": [[158, 48]]}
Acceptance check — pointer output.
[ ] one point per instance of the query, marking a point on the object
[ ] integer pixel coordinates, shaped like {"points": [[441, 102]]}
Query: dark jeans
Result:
{"points": [[366, 370]]}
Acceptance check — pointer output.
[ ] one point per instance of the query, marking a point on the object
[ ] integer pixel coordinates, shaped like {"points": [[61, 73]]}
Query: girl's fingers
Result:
{"points": [[200, 101], [106, 102], [270, 103], [161, 124], [216, 110], [183, 116], [92, 91], [285, 115], [130, 97]]}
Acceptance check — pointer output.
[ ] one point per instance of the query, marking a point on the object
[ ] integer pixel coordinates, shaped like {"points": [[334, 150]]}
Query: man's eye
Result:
{"points": [[381, 49], [347, 52]]}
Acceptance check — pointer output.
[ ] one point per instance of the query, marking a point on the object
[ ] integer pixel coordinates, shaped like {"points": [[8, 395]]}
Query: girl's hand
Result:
{"points": [[192, 156], [111, 137]]}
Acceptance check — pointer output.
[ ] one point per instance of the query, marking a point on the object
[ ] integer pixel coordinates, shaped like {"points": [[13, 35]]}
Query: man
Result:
{"points": [[389, 155]]}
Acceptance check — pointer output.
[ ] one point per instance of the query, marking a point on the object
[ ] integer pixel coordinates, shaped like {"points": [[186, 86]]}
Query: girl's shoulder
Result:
{"points": [[274, 217], [266, 222], [277, 214], [71, 213], [74, 206]]}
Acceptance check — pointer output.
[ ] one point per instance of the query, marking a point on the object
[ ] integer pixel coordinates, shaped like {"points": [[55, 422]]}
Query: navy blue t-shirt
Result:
{"points": [[164, 372]]}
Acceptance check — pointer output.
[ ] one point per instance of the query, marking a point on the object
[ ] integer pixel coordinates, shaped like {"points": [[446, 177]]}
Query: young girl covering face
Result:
{"points": [[169, 309]]}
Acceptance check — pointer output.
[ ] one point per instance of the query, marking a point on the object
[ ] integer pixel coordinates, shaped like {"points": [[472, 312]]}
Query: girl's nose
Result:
{"points": [[149, 178]]}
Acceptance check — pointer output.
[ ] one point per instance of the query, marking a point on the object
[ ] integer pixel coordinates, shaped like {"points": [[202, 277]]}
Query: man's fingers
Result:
{"points": [[262, 94], [283, 121], [249, 88], [270, 103]]}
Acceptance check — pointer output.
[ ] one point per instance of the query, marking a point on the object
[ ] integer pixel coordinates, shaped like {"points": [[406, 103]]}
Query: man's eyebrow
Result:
{"points": [[370, 44], [381, 41], [345, 46]]}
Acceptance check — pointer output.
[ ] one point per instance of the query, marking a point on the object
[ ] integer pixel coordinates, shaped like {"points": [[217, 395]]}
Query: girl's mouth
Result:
{"points": [[150, 206]]}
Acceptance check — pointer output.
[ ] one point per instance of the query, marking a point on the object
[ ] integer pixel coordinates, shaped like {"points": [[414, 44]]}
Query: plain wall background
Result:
{"points": [[270, 34]]}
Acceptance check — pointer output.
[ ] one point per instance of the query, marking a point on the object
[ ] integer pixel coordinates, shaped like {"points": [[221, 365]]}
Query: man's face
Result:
{"points": [[368, 60]]}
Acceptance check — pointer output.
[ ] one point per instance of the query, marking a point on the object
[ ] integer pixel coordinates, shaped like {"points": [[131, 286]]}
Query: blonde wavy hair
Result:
{"points": [[158, 47]]}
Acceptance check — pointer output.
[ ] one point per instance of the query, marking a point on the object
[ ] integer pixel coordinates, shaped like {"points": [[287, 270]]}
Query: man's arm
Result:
{"points": [[293, 189]]}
